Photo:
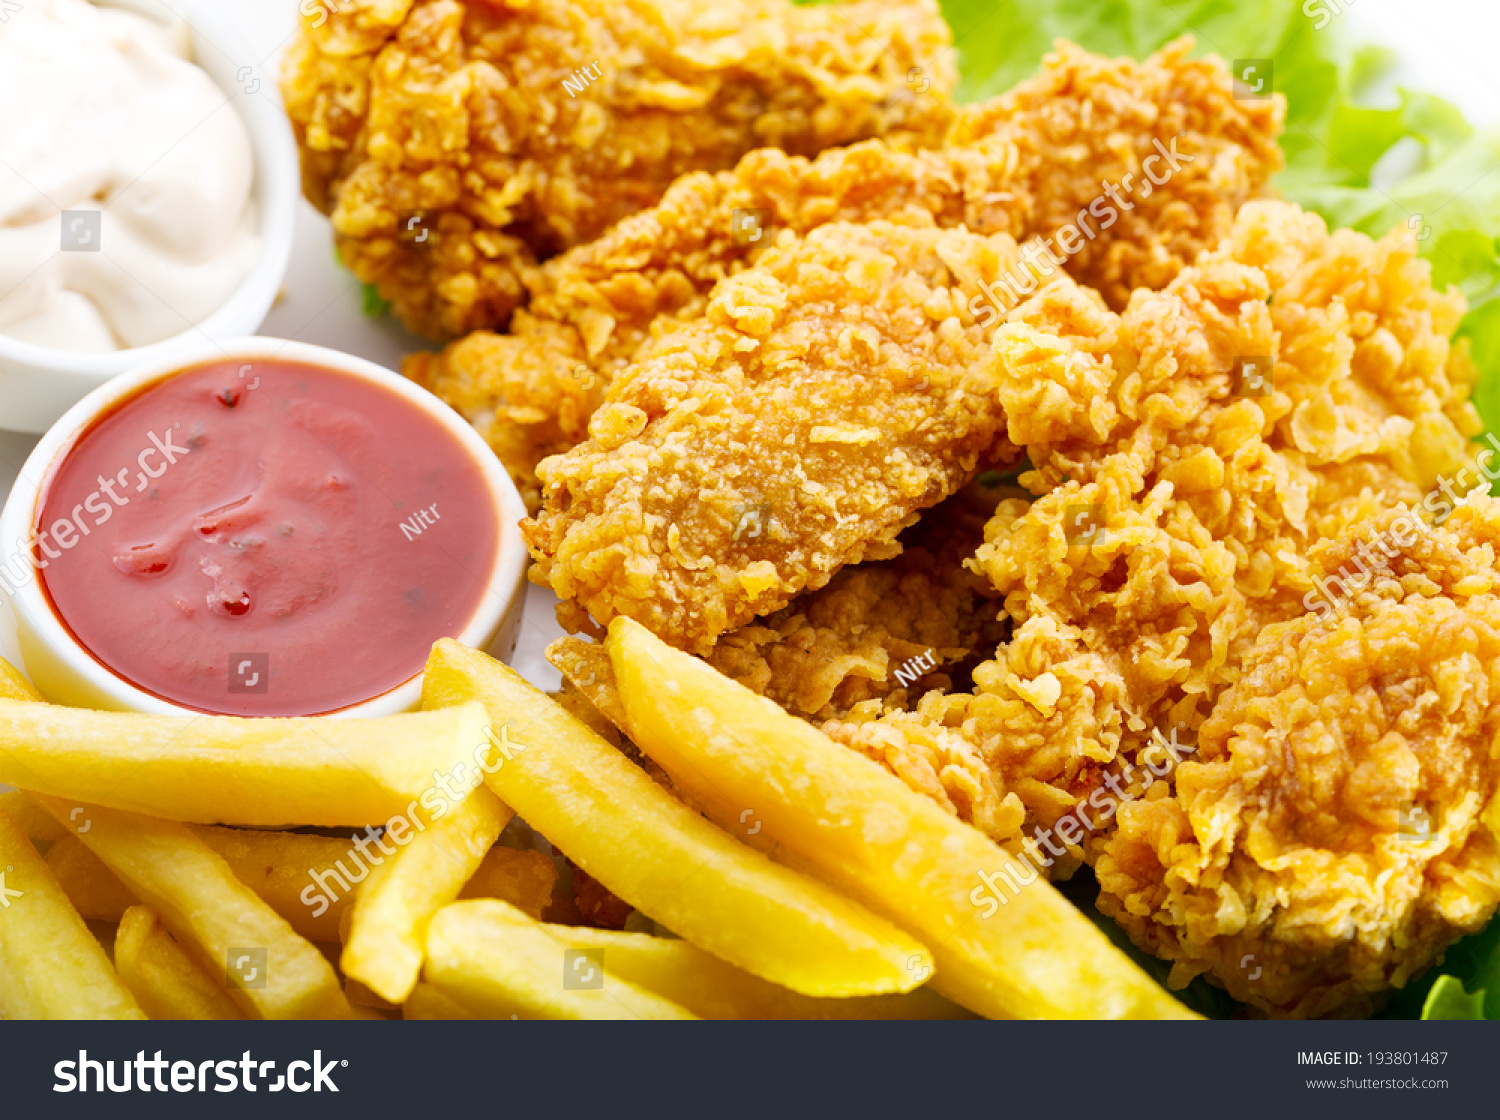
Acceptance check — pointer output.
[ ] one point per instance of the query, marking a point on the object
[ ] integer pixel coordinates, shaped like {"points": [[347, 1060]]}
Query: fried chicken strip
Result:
{"points": [[1338, 830], [841, 647], [887, 630], [1032, 163], [512, 130], [1181, 492], [828, 395]]}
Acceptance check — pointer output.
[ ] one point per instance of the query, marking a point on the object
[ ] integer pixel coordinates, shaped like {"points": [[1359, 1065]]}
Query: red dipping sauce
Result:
{"points": [[289, 540]]}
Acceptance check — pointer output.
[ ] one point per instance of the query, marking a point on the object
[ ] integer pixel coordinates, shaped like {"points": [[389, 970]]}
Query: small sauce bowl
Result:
{"points": [[39, 384], [68, 671]]}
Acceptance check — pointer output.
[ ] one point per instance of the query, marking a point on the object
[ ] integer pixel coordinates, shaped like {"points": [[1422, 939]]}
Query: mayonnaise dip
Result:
{"points": [[106, 113]]}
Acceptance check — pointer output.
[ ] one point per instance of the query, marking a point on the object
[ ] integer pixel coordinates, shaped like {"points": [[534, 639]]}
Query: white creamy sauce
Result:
{"points": [[104, 112]]}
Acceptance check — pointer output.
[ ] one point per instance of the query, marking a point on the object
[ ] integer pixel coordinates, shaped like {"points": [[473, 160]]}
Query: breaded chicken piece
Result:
{"points": [[1338, 830], [888, 630], [828, 395], [1177, 507], [513, 129], [1029, 164], [838, 648]]}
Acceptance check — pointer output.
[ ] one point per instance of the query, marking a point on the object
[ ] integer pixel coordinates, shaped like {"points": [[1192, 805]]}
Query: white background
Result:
{"points": [[1445, 46]]}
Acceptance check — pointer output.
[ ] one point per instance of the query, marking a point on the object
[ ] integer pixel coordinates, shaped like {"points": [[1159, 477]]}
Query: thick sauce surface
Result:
{"points": [[266, 538]]}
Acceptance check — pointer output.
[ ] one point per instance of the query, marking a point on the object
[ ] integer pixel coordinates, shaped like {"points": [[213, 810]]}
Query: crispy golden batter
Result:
{"points": [[460, 111], [921, 614], [828, 395], [1027, 164], [1178, 508], [1168, 134], [839, 647], [1338, 829], [530, 394]]}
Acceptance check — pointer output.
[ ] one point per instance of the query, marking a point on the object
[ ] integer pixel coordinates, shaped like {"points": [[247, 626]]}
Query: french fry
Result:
{"points": [[664, 859], [94, 890], [51, 967], [863, 829], [711, 989], [14, 686], [361, 996], [497, 962], [226, 770], [219, 920], [165, 980], [426, 1002], [39, 824], [278, 866], [587, 667], [362, 1011], [389, 922], [526, 880]]}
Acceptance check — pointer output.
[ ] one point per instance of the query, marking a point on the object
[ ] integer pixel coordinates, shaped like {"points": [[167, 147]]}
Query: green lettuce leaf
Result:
{"points": [[1448, 1000], [1000, 43], [1473, 964], [372, 304]]}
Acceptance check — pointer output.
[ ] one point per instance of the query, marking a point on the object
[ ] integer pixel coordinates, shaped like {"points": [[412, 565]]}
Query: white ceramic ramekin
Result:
{"points": [[66, 673], [38, 384]]}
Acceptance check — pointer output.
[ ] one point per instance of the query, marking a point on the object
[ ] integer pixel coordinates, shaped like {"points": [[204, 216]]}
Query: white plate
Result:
{"points": [[1445, 46]]}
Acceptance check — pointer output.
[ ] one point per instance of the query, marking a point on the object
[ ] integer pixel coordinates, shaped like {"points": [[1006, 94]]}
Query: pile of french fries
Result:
{"points": [[160, 868]]}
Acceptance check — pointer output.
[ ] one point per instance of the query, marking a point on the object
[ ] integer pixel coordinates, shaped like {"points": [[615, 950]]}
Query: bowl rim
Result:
{"points": [[276, 189], [34, 611]]}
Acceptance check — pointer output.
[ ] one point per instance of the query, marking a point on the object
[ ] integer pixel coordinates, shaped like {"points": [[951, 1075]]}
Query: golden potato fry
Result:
{"points": [[14, 686], [270, 971], [496, 961], [39, 824], [664, 859], [426, 1002], [278, 866], [526, 880], [861, 828], [711, 989], [165, 980], [363, 1011], [51, 967], [588, 669], [94, 890], [389, 921], [226, 770], [361, 996]]}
